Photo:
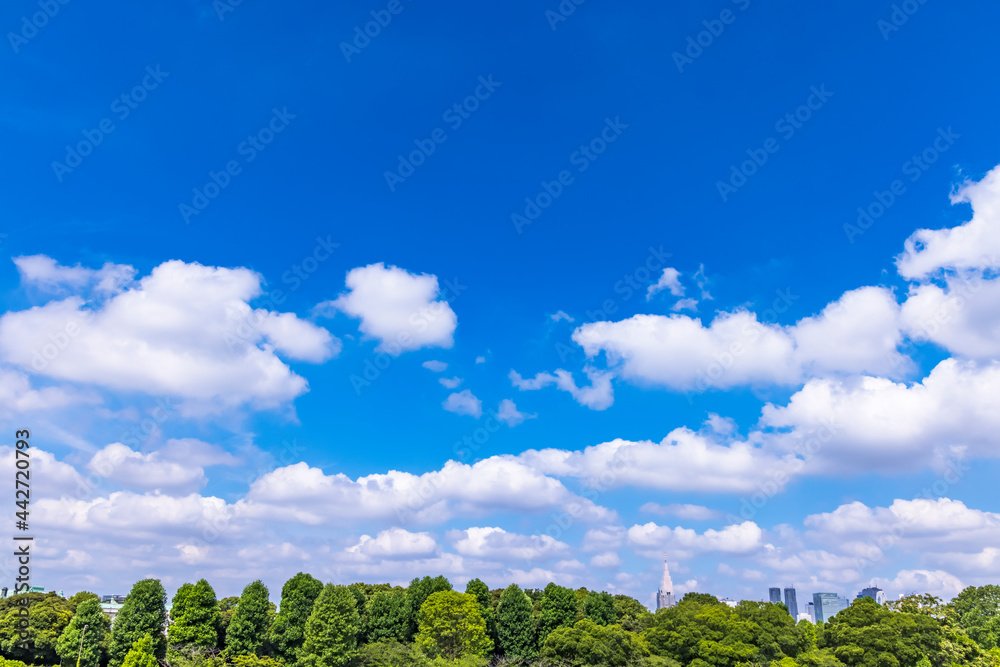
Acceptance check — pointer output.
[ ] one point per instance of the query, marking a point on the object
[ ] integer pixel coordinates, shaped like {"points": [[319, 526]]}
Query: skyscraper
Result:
{"points": [[827, 605], [874, 593], [791, 602], [811, 611], [665, 596], [775, 593]]}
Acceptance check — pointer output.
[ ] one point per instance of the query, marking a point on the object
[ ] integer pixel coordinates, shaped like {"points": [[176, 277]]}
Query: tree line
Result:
{"points": [[429, 624]]}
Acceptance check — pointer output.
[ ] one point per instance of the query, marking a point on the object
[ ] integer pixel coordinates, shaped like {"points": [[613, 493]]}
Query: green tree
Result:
{"points": [[386, 616], [698, 631], [331, 633], [599, 607], [452, 627], [77, 599], [251, 620], [93, 649], [287, 633], [586, 643], [48, 615], [515, 624], [141, 654], [418, 591], [391, 654], [556, 609], [195, 617], [978, 612], [144, 612], [631, 614], [227, 606], [869, 635], [479, 590]]}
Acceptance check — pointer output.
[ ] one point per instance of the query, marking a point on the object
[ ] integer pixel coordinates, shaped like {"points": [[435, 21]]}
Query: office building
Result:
{"points": [[874, 593], [792, 602], [774, 593], [665, 596], [826, 605], [810, 612]]}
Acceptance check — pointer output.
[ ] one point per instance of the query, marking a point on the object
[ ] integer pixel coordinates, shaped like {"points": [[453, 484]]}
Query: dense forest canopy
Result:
{"points": [[429, 623]]}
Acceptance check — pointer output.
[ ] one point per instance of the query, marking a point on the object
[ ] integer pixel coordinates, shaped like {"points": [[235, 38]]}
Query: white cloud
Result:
{"points": [[858, 333], [561, 315], [497, 543], [450, 383], [604, 538], [974, 245], [48, 275], [185, 330], [307, 495], [396, 543], [598, 396], [402, 310], [874, 424], [933, 582], [510, 415], [683, 461], [651, 539], [682, 511], [136, 470], [669, 280], [435, 366], [18, 397], [480, 359], [464, 403], [685, 304], [606, 559], [963, 316]]}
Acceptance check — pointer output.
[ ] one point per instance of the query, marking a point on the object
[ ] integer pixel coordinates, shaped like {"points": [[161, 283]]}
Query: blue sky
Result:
{"points": [[242, 167]]}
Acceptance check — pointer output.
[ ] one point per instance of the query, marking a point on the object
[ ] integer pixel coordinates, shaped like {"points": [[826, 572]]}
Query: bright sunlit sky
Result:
{"points": [[521, 291]]}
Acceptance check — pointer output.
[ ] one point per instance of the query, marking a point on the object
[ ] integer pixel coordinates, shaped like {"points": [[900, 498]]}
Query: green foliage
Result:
{"points": [[77, 599], [11, 663], [255, 661], [586, 643], [386, 616], [515, 624], [47, 614], [699, 630], [556, 609], [332, 630], [818, 658], [599, 607], [287, 633], [417, 592], [250, 622], [143, 613], [141, 654], [631, 614], [452, 627], [195, 616], [977, 610], [391, 654], [227, 607], [92, 650], [868, 635], [774, 631]]}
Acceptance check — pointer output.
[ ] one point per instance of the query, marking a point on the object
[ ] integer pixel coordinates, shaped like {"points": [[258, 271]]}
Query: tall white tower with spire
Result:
{"points": [[665, 596]]}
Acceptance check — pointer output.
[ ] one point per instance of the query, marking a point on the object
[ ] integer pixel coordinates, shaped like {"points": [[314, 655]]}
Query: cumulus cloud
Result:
{"points": [[682, 511], [598, 396], [464, 403], [17, 396], [404, 311], [185, 330], [682, 461], [496, 543], [510, 415], [858, 333], [435, 366], [669, 280], [606, 559], [651, 540], [874, 424], [974, 245], [396, 543], [48, 275], [450, 383], [307, 495]]}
